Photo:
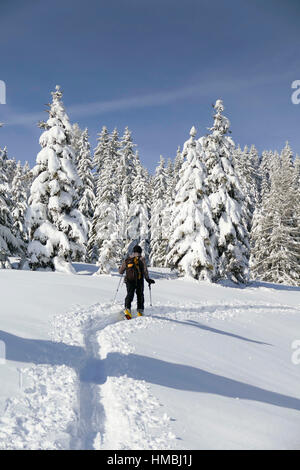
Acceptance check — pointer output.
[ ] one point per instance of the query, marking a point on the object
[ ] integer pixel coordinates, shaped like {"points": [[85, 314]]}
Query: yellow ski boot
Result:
{"points": [[140, 313], [127, 314]]}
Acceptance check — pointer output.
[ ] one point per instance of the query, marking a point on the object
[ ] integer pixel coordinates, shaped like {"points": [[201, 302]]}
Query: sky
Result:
{"points": [[155, 66]]}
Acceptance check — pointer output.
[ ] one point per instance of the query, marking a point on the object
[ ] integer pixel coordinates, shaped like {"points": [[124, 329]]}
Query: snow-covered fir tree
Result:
{"points": [[297, 169], [27, 178], [106, 162], [192, 228], [75, 139], [159, 241], [9, 244], [86, 192], [126, 175], [268, 161], [114, 155], [169, 199], [178, 162], [286, 159], [226, 201], [246, 164], [100, 151], [276, 230], [138, 229], [86, 197], [19, 204], [11, 167], [246, 174], [255, 176], [100, 156], [106, 240], [57, 231], [170, 179]]}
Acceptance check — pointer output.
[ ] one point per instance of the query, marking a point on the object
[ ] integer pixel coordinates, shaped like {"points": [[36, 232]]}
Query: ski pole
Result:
{"points": [[150, 295], [118, 288]]}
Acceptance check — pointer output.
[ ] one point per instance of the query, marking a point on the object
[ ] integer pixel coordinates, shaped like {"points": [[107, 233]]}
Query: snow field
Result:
{"points": [[210, 369], [133, 416], [114, 411], [43, 416]]}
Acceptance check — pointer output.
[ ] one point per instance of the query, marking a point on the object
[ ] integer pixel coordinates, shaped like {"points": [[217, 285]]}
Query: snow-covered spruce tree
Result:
{"points": [[139, 214], [276, 232], [169, 199], [126, 175], [246, 167], [192, 228], [268, 160], [114, 155], [286, 159], [27, 178], [159, 241], [100, 152], [107, 239], [241, 167], [57, 231], [226, 201], [178, 162], [262, 220], [246, 164], [172, 176], [255, 176], [86, 192], [9, 244], [11, 167], [297, 170], [76, 137], [100, 156], [19, 205], [297, 193]]}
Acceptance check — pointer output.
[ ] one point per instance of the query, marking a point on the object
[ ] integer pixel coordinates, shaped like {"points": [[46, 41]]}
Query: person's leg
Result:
{"points": [[140, 295], [130, 294]]}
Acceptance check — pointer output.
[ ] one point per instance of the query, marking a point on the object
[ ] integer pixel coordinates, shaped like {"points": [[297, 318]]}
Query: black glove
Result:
{"points": [[150, 281]]}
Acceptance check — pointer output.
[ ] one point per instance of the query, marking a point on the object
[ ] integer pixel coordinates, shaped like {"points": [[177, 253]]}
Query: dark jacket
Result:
{"points": [[145, 273]]}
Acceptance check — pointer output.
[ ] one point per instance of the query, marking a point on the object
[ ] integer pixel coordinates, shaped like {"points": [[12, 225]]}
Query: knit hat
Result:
{"points": [[137, 249]]}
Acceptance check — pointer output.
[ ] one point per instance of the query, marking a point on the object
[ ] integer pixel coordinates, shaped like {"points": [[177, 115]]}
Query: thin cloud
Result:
{"points": [[204, 88], [101, 107]]}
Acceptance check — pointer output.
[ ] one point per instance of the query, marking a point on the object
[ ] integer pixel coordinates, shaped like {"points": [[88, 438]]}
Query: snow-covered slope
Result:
{"points": [[208, 367]]}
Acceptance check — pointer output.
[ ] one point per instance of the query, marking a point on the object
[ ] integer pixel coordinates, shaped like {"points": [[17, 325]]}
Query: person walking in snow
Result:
{"points": [[136, 270]]}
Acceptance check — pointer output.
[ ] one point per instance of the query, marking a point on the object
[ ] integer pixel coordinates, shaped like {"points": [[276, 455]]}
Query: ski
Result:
{"points": [[128, 317]]}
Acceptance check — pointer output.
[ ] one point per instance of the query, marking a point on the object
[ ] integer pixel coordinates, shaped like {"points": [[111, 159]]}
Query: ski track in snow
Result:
{"points": [[83, 401]]}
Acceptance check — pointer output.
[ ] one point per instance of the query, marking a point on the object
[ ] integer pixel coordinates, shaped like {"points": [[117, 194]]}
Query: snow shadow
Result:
{"points": [[188, 378], [41, 351], [45, 352], [202, 326], [85, 269], [157, 274], [270, 285], [257, 285], [138, 367], [209, 309], [93, 371]]}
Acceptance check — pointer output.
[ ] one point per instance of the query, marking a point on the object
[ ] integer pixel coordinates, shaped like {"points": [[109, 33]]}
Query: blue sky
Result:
{"points": [[156, 66]]}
